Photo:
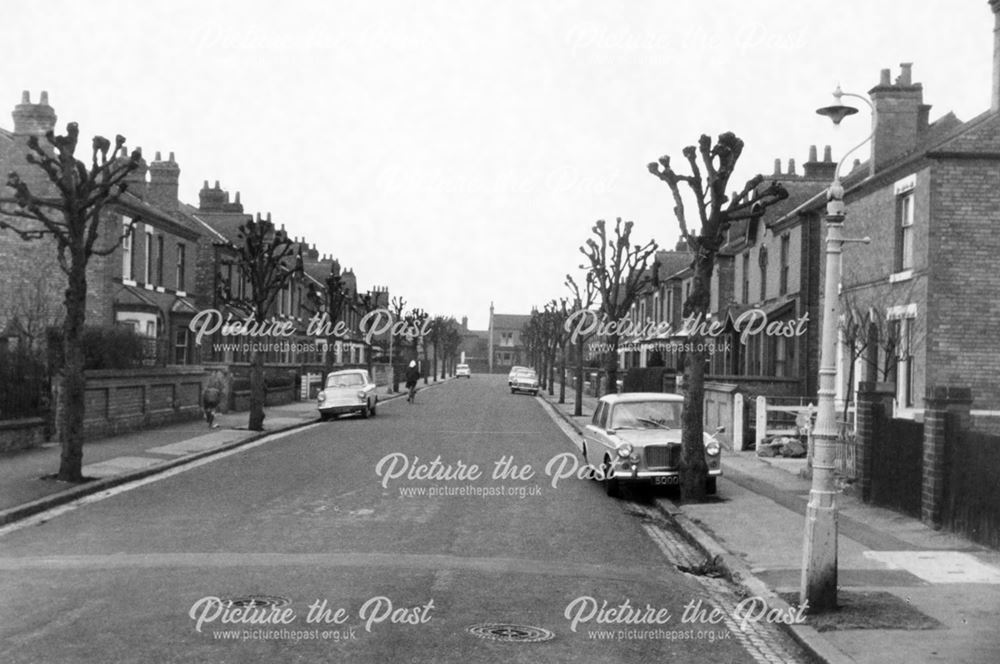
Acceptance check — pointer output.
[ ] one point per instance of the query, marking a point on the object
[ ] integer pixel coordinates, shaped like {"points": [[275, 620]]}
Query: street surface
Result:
{"points": [[343, 542]]}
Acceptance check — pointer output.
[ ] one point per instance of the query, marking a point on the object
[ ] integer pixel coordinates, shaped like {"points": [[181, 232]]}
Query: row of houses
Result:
{"points": [[178, 260], [920, 301]]}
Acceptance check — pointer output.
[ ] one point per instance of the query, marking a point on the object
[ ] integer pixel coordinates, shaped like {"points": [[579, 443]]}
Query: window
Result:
{"points": [[762, 260], [902, 331], [127, 244], [159, 260], [180, 266], [180, 345], [904, 245], [785, 248], [506, 338], [147, 267], [746, 277]]}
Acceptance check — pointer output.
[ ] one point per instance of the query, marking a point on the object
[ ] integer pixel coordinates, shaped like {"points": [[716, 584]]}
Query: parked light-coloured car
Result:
{"points": [[463, 371], [513, 372], [635, 438], [525, 380], [347, 391]]}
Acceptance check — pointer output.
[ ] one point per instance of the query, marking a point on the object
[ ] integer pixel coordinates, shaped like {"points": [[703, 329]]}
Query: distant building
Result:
{"points": [[506, 347]]}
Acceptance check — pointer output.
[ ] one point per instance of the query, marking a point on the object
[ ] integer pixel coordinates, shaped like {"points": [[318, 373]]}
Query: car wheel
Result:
{"points": [[611, 486], [323, 417], [512, 390], [710, 486], [366, 412], [374, 407]]}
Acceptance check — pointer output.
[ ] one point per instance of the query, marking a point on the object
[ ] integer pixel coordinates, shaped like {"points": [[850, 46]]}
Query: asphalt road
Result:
{"points": [[347, 557]]}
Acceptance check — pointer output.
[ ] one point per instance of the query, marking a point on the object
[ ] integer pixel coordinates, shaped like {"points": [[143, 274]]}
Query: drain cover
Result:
{"points": [[510, 633], [255, 601]]}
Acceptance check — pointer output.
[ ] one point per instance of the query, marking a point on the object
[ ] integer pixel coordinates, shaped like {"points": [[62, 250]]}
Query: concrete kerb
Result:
{"points": [[738, 572], [13, 514]]}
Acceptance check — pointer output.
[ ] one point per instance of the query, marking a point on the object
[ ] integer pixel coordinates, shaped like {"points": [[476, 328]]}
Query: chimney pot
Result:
{"points": [[812, 153], [25, 97], [205, 186], [44, 101], [791, 167], [905, 73], [157, 157], [777, 167], [884, 78], [827, 153], [171, 157]]}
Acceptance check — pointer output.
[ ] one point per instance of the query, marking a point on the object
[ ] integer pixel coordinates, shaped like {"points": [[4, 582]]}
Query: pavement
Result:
{"points": [[26, 489], [907, 593]]}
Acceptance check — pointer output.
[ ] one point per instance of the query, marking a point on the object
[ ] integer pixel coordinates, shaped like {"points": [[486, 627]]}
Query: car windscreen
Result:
{"points": [[647, 415], [345, 380]]}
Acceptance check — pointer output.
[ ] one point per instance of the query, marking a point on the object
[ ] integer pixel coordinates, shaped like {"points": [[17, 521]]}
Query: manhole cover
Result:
{"points": [[255, 601], [510, 633]]}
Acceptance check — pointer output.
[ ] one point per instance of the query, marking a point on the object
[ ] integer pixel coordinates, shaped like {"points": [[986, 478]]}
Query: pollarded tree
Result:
{"points": [[70, 210], [620, 276], [716, 213], [268, 260], [583, 301]]}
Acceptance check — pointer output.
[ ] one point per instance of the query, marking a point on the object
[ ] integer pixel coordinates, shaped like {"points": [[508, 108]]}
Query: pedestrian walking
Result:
{"points": [[209, 402], [412, 376]]}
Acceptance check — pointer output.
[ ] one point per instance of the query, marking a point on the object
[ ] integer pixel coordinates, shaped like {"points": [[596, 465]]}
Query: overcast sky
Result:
{"points": [[459, 152]]}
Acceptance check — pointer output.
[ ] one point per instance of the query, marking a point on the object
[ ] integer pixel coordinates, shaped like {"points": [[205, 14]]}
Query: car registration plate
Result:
{"points": [[668, 479]]}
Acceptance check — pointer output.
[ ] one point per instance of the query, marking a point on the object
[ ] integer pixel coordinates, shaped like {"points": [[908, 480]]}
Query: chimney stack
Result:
{"points": [[33, 119], [163, 181], [819, 170], [897, 116], [212, 199]]}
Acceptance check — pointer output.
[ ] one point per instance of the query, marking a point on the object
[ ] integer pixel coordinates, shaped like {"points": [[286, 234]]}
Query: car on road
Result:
{"points": [[635, 438], [347, 391], [525, 380], [513, 372], [463, 371]]}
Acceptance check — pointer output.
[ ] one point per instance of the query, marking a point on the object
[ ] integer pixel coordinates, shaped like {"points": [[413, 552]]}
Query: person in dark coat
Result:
{"points": [[412, 376], [209, 402]]}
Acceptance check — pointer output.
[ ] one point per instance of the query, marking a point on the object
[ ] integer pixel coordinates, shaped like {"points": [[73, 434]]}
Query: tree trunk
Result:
{"points": [[73, 384], [434, 364], [578, 398], [562, 373], [612, 363], [427, 363], [552, 373], [694, 470], [257, 393]]}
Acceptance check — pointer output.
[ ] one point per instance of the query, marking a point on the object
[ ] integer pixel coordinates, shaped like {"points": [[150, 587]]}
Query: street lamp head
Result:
{"points": [[838, 111]]}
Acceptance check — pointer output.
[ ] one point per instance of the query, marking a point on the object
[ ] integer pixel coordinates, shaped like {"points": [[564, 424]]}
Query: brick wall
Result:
{"points": [[964, 282], [120, 401]]}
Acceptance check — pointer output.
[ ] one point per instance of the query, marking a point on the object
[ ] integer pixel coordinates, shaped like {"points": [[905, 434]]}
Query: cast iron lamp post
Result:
{"points": [[819, 554]]}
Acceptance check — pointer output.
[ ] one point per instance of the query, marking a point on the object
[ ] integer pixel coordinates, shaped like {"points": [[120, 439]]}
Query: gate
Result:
{"points": [[897, 463], [972, 492]]}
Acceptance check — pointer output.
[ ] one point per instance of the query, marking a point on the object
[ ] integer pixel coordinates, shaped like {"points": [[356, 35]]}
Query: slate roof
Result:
{"points": [[510, 321]]}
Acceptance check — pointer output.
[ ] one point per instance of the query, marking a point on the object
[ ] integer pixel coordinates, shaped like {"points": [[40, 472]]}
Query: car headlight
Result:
{"points": [[624, 450], [712, 448], [361, 395], [321, 397]]}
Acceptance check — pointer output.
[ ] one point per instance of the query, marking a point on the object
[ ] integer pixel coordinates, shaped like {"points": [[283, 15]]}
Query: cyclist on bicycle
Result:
{"points": [[412, 376]]}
